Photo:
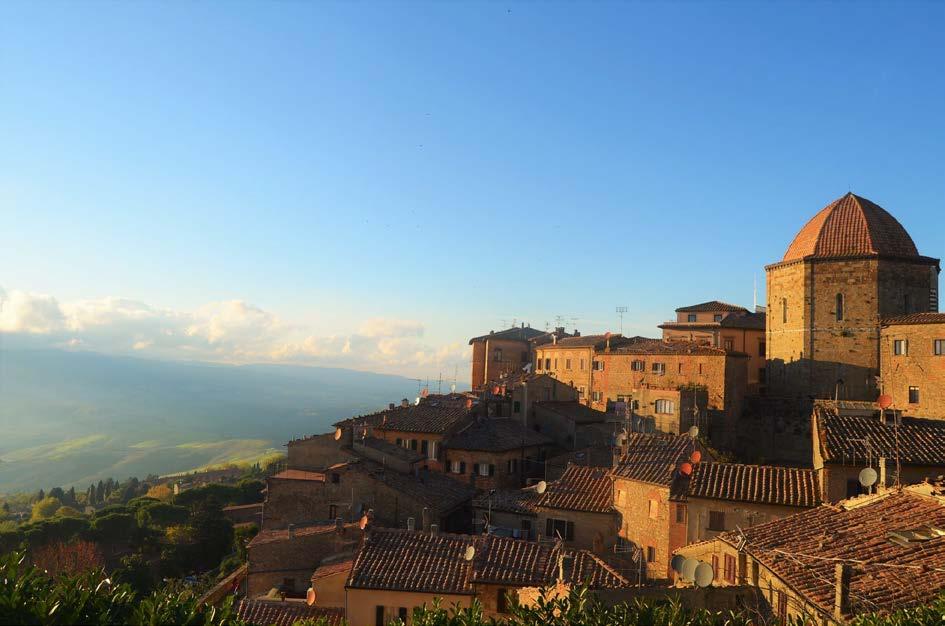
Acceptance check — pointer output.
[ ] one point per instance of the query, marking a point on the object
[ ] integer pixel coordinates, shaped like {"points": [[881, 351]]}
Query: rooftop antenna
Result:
{"points": [[439, 384], [574, 322], [620, 311], [754, 290], [559, 320]]}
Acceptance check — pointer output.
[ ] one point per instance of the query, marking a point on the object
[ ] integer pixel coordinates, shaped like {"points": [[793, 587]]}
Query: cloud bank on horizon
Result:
{"points": [[231, 331]]}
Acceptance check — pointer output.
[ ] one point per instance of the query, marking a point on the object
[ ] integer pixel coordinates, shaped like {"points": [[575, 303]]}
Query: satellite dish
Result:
{"points": [[884, 401], [703, 575], [310, 596], [541, 486], [696, 456], [337, 434], [453, 388], [685, 469], [688, 569], [417, 401], [677, 563], [362, 523], [868, 477], [470, 553], [693, 431]]}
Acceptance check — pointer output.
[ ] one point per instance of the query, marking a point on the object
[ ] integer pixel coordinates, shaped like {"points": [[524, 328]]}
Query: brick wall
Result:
{"points": [[561, 358], [271, 562], [638, 527], [921, 368], [316, 452], [501, 477]]}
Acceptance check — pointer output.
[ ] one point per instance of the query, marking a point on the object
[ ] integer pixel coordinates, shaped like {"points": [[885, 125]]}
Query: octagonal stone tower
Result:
{"points": [[851, 265]]}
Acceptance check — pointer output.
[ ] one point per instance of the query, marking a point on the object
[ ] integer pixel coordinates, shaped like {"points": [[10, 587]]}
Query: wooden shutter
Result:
{"points": [[462, 467]]}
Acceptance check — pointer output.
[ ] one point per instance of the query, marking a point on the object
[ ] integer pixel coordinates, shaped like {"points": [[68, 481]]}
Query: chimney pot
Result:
{"points": [[405, 403], [434, 529], [391, 406], [410, 523]]}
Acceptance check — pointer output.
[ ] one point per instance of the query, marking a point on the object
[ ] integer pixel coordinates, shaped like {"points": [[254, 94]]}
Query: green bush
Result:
{"points": [[161, 515]]}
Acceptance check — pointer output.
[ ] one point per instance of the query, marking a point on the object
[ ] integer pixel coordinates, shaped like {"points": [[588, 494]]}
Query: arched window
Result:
{"points": [[839, 307], [784, 310]]}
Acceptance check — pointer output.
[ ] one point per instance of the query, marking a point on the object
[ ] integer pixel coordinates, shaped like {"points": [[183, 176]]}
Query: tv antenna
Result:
{"points": [[620, 311]]}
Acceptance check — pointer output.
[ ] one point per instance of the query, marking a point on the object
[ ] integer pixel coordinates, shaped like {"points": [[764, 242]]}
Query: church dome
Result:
{"points": [[851, 226]]}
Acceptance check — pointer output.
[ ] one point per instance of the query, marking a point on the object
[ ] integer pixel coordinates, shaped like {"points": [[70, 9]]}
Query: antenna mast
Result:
{"points": [[620, 311]]}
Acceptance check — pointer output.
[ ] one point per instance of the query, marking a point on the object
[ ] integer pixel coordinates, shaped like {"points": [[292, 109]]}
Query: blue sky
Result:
{"points": [[233, 180]]}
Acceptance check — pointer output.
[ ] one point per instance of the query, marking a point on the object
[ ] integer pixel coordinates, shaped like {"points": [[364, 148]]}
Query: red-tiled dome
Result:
{"points": [[851, 226]]}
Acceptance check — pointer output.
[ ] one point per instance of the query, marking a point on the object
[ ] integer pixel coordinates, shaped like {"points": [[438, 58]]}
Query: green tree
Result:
{"points": [[213, 534], [57, 493], [68, 511], [100, 493], [45, 508]]}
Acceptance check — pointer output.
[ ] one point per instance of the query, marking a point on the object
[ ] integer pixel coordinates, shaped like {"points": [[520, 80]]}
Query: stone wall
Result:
{"points": [[597, 532], [317, 452], [501, 476], [645, 531], [921, 368], [271, 562]]}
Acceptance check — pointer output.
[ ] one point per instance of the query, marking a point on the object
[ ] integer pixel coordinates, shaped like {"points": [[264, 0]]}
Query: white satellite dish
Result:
{"points": [[693, 431], [688, 568], [868, 477], [703, 575], [417, 401], [453, 388], [677, 563], [470, 553], [541, 486]]}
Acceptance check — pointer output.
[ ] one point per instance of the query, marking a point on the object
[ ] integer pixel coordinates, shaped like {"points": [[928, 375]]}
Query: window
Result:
{"points": [[913, 395], [538, 365], [379, 616], [424, 447], [527, 528], [457, 467], [729, 344], [784, 310], [729, 571], [716, 520], [650, 554], [556, 363], [502, 601], [547, 364], [484, 469], [402, 614], [559, 527], [691, 317], [839, 307], [497, 354], [654, 509], [901, 347], [332, 511], [580, 392], [638, 366], [516, 407], [939, 347], [400, 441], [433, 450], [659, 368], [762, 348], [715, 566], [679, 368], [597, 366], [700, 368], [511, 466], [413, 444], [335, 478], [596, 396], [582, 364], [665, 407], [717, 317], [853, 487], [680, 513], [567, 364]]}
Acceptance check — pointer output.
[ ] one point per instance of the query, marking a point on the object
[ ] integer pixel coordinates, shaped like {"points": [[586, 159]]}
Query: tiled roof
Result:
{"points": [[584, 341], [518, 333], [914, 318], [319, 528], [519, 501], [391, 449], [430, 416], [654, 458], [440, 493], [573, 410], [496, 435], [658, 346], [921, 441], [803, 550], [711, 307], [580, 489], [293, 474], [331, 569], [758, 484], [851, 226], [285, 613], [750, 321], [423, 562]]}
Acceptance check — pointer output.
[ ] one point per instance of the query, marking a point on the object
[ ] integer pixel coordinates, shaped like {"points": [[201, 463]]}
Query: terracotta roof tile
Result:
{"points": [[422, 562], [789, 486], [440, 493], [580, 489], [391, 449], [293, 474], [430, 416], [921, 441], [495, 435], [319, 528], [516, 333], [331, 569], [573, 410], [654, 458], [285, 613], [803, 550], [711, 307], [658, 346], [520, 501], [914, 318], [851, 226]]}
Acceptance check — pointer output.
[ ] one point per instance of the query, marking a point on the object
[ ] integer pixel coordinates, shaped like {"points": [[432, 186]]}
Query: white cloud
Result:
{"points": [[230, 331]]}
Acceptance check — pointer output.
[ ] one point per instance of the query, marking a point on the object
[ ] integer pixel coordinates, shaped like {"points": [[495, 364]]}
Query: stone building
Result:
{"points": [[573, 425], [578, 509], [495, 453], [423, 427], [848, 268], [499, 354], [912, 363], [831, 563], [844, 444], [396, 571], [507, 513], [571, 360], [723, 325], [285, 559]]}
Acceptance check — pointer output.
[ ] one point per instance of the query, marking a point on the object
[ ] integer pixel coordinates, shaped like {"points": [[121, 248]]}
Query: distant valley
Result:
{"points": [[71, 418]]}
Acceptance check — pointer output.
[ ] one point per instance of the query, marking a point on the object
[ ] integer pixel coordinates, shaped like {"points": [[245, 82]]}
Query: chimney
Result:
{"points": [[410, 523], [554, 339], [434, 529], [339, 524], [523, 324], [291, 531], [391, 406], [576, 333], [882, 473], [405, 403], [841, 599]]}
